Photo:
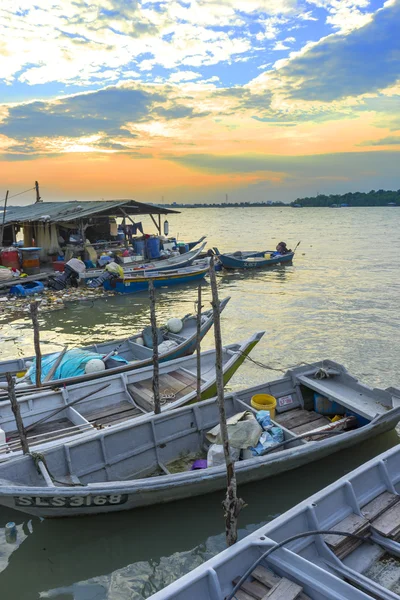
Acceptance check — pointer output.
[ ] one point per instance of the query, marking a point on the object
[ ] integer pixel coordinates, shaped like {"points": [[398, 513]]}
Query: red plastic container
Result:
{"points": [[10, 258], [59, 265]]}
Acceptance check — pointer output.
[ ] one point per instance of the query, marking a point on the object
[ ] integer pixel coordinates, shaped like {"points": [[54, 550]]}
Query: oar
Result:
{"points": [[297, 245], [56, 364], [58, 410]]}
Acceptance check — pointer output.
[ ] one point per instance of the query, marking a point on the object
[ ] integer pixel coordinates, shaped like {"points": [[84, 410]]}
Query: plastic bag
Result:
{"points": [[264, 418], [216, 457], [268, 439], [243, 431]]}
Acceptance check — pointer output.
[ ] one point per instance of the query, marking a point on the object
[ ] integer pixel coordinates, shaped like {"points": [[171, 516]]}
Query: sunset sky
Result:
{"points": [[192, 100]]}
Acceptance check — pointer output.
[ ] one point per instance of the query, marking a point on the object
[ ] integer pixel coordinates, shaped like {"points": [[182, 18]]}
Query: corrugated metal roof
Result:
{"points": [[55, 212]]}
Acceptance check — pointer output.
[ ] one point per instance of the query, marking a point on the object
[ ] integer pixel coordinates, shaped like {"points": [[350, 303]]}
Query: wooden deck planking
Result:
{"points": [[116, 413], [268, 585], [388, 523], [379, 505], [285, 590], [321, 422], [296, 417]]}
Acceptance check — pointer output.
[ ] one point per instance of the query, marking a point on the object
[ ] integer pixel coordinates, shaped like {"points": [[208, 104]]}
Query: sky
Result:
{"points": [[189, 100]]}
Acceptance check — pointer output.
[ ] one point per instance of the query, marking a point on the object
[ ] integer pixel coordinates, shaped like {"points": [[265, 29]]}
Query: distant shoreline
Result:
{"points": [[283, 205]]}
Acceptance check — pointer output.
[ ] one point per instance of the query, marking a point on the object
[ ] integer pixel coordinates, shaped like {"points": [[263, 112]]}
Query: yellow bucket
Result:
{"points": [[267, 256], [264, 402]]}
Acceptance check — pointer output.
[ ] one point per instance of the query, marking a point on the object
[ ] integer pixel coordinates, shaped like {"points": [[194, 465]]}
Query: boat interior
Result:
{"points": [[366, 506], [129, 349], [173, 441], [116, 399]]}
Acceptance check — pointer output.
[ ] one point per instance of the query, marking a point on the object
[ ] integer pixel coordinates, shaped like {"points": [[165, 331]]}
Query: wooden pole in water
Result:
{"points": [[17, 414], [232, 504], [198, 349], [156, 380], [36, 341]]}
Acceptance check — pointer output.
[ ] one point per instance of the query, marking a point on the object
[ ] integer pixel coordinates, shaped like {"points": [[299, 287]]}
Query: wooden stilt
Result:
{"points": [[198, 349], [36, 341], [232, 504], [17, 414], [156, 381]]}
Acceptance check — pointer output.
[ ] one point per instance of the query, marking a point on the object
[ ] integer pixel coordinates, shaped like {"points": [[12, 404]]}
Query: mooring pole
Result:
{"points": [[232, 504], [198, 344], [17, 414], [36, 341], [4, 218], [156, 380]]}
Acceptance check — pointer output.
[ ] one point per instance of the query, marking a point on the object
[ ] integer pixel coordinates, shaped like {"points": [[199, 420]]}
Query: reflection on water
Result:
{"points": [[338, 300]]}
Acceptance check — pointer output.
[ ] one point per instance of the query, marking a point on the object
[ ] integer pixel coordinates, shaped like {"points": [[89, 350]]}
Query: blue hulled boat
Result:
{"points": [[140, 282], [253, 260]]}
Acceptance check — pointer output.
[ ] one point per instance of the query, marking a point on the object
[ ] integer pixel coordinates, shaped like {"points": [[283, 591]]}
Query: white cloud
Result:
{"points": [[184, 76]]}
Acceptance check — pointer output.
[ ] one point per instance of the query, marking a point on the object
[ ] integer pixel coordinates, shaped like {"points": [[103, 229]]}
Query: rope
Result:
{"points": [[287, 541], [20, 193], [38, 457]]}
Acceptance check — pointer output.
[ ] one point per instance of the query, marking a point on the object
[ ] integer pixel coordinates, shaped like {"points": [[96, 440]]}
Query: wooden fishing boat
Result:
{"points": [[137, 355], [366, 502], [174, 262], [139, 282], [253, 259], [148, 460], [193, 244], [49, 416]]}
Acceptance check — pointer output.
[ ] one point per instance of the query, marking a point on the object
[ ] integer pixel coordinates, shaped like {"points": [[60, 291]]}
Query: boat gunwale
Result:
{"points": [[136, 486], [124, 368]]}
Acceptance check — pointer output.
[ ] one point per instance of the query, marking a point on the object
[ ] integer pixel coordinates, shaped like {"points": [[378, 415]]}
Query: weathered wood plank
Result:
{"points": [[379, 505], [388, 524], [107, 410], [351, 524], [241, 595], [256, 589], [285, 590], [296, 417], [184, 377], [310, 426], [265, 576], [118, 417], [140, 397]]}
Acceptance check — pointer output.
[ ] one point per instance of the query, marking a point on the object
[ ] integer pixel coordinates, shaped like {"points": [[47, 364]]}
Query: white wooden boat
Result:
{"points": [[174, 262], [117, 398], [365, 503], [137, 355], [148, 460]]}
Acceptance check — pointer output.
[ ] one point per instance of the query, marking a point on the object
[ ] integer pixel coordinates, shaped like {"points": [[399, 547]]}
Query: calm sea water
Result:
{"points": [[339, 300]]}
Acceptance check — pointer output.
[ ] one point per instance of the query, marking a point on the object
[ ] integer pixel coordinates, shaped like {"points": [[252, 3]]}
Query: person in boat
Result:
{"points": [[282, 248]]}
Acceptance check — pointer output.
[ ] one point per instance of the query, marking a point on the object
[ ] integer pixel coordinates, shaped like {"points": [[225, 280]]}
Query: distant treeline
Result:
{"points": [[372, 198]]}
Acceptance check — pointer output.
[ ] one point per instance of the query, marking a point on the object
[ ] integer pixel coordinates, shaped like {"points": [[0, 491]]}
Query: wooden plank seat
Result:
{"points": [[115, 413], [45, 429], [267, 585], [300, 421], [173, 386], [382, 514]]}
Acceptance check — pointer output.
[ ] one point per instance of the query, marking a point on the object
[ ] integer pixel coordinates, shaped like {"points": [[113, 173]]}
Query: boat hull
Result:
{"points": [[130, 286], [184, 349], [114, 497], [230, 262], [184, 260]]}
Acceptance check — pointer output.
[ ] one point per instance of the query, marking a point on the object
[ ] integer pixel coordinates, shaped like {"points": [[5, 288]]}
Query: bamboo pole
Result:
{"points": [[156, 381], [198, 344], [232, 504], [17, 414], [36, 341]]}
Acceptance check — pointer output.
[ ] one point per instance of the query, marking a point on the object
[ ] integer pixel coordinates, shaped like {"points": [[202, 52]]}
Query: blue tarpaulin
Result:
{"points": [[72, 364]]}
